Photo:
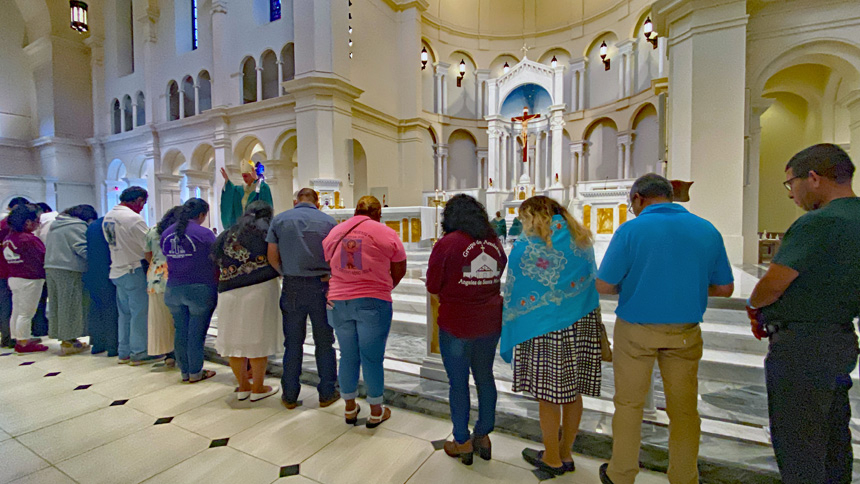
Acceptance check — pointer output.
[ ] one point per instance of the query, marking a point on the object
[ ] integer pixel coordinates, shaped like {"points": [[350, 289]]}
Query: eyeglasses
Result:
{"points": [[787, 183]]}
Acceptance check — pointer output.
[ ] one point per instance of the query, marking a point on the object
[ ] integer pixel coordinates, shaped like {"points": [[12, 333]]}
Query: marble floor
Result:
{"points": [[86, 419]]}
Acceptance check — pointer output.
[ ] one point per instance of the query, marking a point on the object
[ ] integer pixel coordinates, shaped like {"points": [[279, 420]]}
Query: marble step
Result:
{"points": [[411, 286], [409, 303]]}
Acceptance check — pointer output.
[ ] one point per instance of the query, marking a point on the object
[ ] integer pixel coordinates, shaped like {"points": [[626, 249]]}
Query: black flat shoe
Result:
{"points": [[535, 458], [604, 479]]}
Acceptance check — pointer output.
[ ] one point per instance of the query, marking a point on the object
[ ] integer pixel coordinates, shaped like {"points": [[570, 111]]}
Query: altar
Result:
{"points": [[416, 226]]}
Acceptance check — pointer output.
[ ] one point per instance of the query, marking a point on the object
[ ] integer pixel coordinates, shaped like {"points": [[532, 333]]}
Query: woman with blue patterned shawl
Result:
{"points": [[551, 325]]}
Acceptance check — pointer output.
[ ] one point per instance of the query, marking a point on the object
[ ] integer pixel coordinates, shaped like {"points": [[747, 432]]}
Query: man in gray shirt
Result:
{"points": [[295, 250]]}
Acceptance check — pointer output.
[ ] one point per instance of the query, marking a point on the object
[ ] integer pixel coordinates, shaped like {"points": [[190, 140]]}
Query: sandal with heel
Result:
{"points": [[376, 420]]}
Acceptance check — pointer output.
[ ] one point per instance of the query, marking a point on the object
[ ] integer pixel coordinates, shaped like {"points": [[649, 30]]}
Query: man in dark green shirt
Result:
{"points": [[806, 304], [500, 226]]}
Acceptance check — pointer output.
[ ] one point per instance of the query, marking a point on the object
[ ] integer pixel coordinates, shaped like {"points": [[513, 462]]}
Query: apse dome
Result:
{"points": [[514, 18]]}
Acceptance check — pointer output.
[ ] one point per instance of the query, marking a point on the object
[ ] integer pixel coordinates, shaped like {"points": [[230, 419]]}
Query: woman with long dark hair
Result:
{"points": [[192, 291], [249, 320], [551, 327], [464, 273], [160, 329]]}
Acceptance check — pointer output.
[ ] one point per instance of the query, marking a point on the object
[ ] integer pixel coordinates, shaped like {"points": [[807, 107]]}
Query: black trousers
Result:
{"points": [[5, 313], [39, 325], [303, 298], [808, 372]]}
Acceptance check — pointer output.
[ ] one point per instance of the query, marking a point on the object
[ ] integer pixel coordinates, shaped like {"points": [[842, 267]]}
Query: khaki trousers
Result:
{"points": [[677, 349]]}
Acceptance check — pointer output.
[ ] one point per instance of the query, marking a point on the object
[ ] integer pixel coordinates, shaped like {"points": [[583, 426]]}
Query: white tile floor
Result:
{"points": [[51, 432]]}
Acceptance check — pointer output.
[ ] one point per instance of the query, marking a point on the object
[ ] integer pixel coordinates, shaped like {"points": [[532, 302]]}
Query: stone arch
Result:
{"points": [[249, 79], [462, 100], [172, 162], [249, 148], [428, 78], [172, 100], [115, 182], [644, 13], [462, 160], [189, 107], [601, 85], [601, 155], [559, 52], [288, 63], [204, 91], [606, 34], [116, 117], [497, 67], [645, 130], [203, 158], [285, 152], [127, 114], [141, 108], [358, 170], [838, 54], [269, 76]]}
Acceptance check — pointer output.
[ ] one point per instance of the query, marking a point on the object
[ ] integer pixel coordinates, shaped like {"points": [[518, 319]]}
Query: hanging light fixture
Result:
{"points": [[350, 55], [462, 73], [425, 57], [603, 57], [650, 35], [506, 68], [554, 62], [350, 42], [79, 16], [350, 29]]}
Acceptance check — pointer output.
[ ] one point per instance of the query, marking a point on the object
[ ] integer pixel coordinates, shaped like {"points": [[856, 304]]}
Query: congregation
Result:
{"points": [[148, 294]]}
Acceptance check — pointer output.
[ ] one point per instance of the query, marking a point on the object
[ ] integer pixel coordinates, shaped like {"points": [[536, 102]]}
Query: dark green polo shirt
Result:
{"points": [[824, 247]]}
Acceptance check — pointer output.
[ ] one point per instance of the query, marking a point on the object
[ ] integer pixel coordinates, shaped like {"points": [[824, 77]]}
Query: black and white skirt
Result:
{"points": [[558, 366]]}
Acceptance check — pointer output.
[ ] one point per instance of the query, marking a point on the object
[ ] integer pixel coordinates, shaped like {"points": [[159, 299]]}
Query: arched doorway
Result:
{"points": [[462, 160], [358, 172]]}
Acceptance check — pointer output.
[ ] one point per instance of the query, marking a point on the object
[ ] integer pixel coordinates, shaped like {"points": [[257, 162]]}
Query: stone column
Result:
{"points": [[280, 77], [444, 95], [439, 77], [437, 161], [708, 83], [223, 159], [259, 70], [494, 154], [483, 76], [556, 122], [539, 167], [483, 167], [504, 162], [181, 102], [662, 46], [751, 178], [133, 114], [576, 166], [852, 102], [221, 63], [197, 97], [577, 84], [624, 141], [169, 190], [444, 153], [627, 70], [202, 180], [100, 172]]}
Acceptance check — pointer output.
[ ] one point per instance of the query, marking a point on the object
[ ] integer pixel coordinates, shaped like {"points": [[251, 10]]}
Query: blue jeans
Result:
{"points": [[304, 297], [458, 356], [362, 327], [192, 306], [132, 303]]}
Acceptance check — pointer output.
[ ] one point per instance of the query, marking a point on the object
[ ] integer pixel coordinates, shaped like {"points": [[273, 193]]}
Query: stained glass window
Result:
{"points": [[195, 40], [274, 10]]}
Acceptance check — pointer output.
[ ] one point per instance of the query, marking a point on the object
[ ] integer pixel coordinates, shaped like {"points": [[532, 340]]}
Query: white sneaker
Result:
{"points": [[256, 397]]}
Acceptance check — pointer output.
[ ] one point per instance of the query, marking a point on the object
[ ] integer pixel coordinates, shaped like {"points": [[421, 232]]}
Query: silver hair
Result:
{"points": [[652, 185]]}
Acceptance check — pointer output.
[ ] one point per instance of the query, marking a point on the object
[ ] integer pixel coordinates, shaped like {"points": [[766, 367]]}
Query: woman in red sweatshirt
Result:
{"points": [[465, 271], [24, 254]]}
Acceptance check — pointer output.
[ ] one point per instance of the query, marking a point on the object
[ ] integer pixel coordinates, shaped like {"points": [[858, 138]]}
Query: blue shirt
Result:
{"points": [[663, 262], [299, 234]]}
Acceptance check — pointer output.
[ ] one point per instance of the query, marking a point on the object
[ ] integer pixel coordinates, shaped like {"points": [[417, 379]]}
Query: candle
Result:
{"points": [[437, 194]]}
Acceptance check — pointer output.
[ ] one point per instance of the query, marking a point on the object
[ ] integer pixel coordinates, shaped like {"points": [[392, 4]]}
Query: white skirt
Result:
{"points": [[249, 321]]}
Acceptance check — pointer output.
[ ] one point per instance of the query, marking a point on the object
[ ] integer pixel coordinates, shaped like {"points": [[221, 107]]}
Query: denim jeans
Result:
{"points": [[459, 355], [132, 303], [362, 327], [192, 306], [304, 297]]}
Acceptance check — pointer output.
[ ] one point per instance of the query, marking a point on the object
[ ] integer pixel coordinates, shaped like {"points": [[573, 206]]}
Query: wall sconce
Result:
{"points": [[603, 57], [79, 16], [506, 68], [424, 58], [350, 42], [350, 55], [650, 35], [554, 62], [462, 73], [350, 29]]}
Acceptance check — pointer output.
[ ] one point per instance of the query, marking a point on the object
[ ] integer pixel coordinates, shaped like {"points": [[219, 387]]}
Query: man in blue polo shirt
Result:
{"points": [[295, 250], [663, 265]]}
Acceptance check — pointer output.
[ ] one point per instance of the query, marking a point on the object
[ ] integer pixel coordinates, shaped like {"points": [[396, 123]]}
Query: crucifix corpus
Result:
{"points": [[524, 136]]}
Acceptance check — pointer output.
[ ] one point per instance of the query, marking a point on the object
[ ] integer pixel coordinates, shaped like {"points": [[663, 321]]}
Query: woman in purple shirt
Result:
{"points": [[192, 288]]}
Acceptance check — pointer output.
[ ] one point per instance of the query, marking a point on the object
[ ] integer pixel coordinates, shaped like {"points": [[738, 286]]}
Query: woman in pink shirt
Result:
{"points": [[367, 262], [24, 254]]}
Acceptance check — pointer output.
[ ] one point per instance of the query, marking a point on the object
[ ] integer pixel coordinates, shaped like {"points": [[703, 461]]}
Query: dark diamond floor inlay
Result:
{"points": [[219, 443], [163, 420], [118, 402], [53, 373], [27, 363], [438, 444], [288, 471], [82, 387]]}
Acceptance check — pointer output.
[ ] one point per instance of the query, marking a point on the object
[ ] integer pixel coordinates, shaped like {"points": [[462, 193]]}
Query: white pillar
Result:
{"points": [[437, 161], [622, 147], [133, 115], [439, 77], [444, 94], [504, 162], [443, 164], [222, 65], [181, 103], [576, 166], [259, 82], [538, 162], [483, 88], [577, 84], [751, 179], [280, 77], [852, 103], [708, 87], [196, 98], [627, 54], [557, 127], [483, 167], [662, 46]]}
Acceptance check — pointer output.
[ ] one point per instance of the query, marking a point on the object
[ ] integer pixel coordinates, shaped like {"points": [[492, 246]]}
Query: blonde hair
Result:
{"points": [[536, 215]]}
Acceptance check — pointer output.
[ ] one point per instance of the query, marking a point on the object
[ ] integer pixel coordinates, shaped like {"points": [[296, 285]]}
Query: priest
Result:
{"points": [[234, 199]]}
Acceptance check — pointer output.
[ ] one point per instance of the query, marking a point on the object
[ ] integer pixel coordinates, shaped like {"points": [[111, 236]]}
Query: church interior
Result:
{"points": [[413, 102]]}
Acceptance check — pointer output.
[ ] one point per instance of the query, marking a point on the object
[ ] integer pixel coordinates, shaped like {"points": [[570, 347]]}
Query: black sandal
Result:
{"points": [[351, 416], [376, 421]]}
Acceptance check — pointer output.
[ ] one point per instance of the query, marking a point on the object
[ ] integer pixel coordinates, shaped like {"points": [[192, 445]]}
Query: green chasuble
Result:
{"points": [[233, 201]]}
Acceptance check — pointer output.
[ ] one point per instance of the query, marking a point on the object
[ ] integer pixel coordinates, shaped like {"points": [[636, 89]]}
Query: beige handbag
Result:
{"points": [[605, 346]]}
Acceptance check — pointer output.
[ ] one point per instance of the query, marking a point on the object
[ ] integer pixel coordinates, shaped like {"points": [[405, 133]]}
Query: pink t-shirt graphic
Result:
{"points": [[361, 262]]}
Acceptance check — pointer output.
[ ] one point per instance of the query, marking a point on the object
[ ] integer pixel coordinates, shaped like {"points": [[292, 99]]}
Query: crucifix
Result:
{"points": [[524, 136], [525, 50]]}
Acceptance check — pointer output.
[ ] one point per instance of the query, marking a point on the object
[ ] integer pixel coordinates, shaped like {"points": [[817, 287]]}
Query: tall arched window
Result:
{"points": [[274, 10], [195, 33], [249, 81], [188, 95], [127, 115], [204, 92], [116, 117], [141, 109], [172, 101], [270, 74]]}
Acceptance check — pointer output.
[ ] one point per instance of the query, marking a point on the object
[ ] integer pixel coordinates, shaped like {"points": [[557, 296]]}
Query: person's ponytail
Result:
{"points": [[191, 209]]}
